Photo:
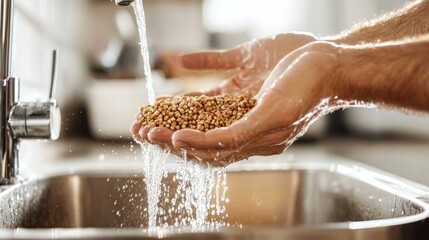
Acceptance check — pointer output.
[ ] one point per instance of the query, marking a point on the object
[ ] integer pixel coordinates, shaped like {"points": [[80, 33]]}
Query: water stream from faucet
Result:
{"points": [[141, 23], [153, 157], [194, 195]]}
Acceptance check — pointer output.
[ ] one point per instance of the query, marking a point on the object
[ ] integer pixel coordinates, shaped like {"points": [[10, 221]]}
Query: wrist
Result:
{"points": [[326, 57]]}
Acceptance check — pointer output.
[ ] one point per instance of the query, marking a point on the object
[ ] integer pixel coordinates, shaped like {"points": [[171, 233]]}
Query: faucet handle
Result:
{"points": [[40, 119], [36, 120]]}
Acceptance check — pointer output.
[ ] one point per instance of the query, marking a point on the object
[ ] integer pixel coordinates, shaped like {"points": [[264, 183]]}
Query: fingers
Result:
{"points": [[143, 133], [139, 132], [134, 129], [215, 157], [160, 135], [209, 60]]}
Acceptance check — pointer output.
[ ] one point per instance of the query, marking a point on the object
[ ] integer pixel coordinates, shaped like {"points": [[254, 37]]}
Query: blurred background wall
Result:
{"points": [[100, 61]]}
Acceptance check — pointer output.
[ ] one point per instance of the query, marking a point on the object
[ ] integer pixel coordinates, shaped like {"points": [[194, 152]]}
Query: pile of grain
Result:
{"points": [[202, 113]]}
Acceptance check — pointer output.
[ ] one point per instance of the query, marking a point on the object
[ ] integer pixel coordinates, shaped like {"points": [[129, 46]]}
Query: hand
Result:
{"points": [[252, 61], [299, 90]]}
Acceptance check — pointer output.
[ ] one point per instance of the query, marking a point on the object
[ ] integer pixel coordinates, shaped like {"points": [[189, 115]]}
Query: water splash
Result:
{"points": [[153, 168], [202, 194]]}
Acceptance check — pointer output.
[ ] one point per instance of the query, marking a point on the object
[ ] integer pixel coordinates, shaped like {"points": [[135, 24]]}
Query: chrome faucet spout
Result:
{"points": [[124, 2], [20, 120]]}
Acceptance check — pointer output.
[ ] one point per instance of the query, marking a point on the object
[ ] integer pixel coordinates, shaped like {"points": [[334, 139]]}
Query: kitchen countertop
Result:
{"points": [[408, 158], [405, 158]]}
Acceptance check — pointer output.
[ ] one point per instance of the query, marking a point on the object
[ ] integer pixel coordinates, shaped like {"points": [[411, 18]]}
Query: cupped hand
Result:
{"points": [[252, 62], [299, 90]]}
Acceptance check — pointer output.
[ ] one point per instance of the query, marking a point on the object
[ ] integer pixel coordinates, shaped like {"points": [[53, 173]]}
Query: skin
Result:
{"points": [[297, 78]]}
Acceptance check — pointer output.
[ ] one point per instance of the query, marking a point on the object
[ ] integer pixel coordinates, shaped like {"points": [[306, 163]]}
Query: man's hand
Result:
{"points": [[296, 92], [252, 61]]}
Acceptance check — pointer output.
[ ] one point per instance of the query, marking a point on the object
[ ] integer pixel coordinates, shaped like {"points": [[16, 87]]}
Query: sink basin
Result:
{"points": [[267, 200]]}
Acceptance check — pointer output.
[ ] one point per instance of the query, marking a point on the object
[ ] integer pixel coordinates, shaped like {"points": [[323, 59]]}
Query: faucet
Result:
{"points": [[20, 120], [123, 2]]}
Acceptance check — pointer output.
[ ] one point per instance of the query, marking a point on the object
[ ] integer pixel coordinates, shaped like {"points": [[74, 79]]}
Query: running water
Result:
{"points": [[141, 23], [153, 157], [194, 195], [195, 189], [153, 169]]}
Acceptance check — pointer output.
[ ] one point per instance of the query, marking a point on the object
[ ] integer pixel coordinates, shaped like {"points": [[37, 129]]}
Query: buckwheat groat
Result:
{"points": [[201, 113]]}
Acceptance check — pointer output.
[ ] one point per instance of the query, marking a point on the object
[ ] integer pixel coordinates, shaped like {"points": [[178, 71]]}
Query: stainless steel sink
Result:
{"points": [[271, 200]]}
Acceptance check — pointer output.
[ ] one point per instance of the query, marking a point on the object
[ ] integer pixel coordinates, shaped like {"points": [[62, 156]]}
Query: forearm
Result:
{"points": [[412, 20], [395, 74]]}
